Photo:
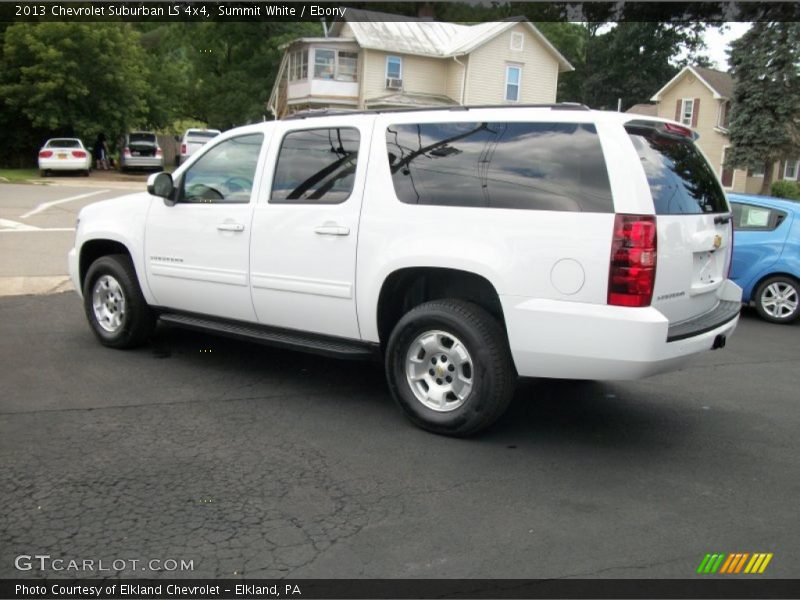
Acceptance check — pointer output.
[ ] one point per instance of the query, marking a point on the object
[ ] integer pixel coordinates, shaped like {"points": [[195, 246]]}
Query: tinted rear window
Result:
{"points": [[681, 180], [544, 166], [142, 137], [316, 166], [63, 144]]}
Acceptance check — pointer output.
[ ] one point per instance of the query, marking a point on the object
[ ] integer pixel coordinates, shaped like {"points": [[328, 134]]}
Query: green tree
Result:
{"points": [[632, 60], [73, 78], [765, 111], [232, 67]]}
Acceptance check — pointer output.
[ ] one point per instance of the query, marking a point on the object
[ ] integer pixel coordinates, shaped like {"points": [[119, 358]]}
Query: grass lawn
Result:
{"points": [[18, 175]]}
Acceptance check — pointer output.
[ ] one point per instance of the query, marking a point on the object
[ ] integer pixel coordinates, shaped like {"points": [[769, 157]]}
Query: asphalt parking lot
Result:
{"points": [[256, 462]]}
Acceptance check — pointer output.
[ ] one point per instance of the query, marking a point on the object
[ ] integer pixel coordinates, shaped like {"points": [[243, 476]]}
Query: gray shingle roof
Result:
{"points": [[719, 80]]}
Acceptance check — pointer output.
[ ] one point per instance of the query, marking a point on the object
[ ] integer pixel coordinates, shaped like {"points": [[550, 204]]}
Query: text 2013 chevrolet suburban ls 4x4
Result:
{"points": [[464, 246]]}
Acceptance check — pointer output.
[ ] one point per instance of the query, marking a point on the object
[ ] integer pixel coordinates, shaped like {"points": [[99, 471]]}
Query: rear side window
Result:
{"points": [[681, 180], [747, 217], [316, 166], [537, 166]]}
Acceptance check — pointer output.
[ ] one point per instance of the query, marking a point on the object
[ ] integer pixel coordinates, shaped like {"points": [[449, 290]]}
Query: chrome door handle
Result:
{"points": [[230, 227], [329, 229]]}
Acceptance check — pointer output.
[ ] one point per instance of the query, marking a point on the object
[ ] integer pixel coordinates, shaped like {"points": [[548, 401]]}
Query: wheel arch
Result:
{"points": [[93, 249], [408, 287], [757, 283]]}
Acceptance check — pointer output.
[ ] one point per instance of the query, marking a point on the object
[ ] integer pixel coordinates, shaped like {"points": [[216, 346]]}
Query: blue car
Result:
{"points": [[766, 254]]}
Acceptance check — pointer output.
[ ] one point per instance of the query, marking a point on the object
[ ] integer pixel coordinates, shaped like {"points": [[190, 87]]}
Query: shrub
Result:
{"points": [[786, 189]]}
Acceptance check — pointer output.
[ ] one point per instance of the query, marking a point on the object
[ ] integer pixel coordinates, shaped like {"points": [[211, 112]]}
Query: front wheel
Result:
{"points": [[449, 367], [114, 304], [777, 299]]}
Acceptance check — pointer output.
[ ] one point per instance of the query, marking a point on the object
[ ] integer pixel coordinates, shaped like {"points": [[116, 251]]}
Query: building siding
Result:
{"points": [[455, 78], [421, 75], [486, 77]]}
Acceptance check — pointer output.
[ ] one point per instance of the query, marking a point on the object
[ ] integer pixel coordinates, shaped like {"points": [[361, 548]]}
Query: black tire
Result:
{"points": [[138, 321], [43, 173], [492, 373], [86, 173], [765, 292]]}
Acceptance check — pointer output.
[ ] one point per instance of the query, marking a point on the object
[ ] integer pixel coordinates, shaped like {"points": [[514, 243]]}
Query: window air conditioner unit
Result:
{"points": [[394, 84]]}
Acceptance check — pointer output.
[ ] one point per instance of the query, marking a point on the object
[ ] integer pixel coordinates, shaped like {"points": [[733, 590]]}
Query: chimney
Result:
{"points": [[427, 12]]}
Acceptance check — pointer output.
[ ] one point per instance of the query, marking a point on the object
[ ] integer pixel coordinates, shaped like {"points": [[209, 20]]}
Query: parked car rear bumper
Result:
{"points": [[64, 164], [151, 162], [612, 342]]}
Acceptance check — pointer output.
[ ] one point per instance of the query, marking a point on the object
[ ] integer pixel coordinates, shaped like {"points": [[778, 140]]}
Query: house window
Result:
{"points": [[756, 172], [513, 77], [298, 65], [394, 67], [324, 63], [724, 118], [335, 64], [517, 41], [791, 169], [687, 111], [346, 66]]}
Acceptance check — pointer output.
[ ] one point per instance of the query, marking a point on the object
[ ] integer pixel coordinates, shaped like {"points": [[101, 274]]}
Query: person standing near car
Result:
{"points": [[101, 152]]}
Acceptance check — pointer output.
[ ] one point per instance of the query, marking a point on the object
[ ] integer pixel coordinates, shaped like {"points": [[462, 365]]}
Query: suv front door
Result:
{"points": [[305, 229], [196, 250]]}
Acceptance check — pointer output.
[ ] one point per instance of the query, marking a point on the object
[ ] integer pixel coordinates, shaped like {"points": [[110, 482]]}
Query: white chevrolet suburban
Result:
{"points": [[463, 246]]}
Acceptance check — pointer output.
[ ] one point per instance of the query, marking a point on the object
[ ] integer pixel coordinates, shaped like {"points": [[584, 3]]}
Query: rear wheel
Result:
{"points": [[114, 304], [449, 367], [778, 299]]}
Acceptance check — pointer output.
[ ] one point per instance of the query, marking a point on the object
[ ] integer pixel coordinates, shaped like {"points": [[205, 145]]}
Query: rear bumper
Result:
{"points": [[153, 162], [66, 164], [571, 340]]}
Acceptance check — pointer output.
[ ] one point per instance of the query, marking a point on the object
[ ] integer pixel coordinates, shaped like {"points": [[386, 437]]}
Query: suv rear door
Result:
{"points": [[305, 226], [693, 221]]}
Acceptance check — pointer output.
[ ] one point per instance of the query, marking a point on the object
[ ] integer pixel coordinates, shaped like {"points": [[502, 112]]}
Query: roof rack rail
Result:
{"points": [[325, 112]]}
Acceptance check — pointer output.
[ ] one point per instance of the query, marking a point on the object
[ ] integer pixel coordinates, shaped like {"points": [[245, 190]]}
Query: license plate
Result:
{"points": [[135, 152], [62, 155]]}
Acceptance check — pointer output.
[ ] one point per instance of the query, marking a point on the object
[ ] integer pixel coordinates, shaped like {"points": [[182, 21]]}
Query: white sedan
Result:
{"points": [[64, 154]]}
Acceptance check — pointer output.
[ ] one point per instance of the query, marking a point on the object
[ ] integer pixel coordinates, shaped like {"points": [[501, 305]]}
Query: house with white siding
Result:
{"points": [[377, 60]]}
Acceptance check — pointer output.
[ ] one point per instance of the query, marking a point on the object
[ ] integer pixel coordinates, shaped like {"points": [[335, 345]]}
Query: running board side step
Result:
{"points": [[273, 336]]}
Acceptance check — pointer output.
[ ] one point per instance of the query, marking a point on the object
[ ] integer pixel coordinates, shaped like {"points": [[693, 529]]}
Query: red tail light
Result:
{"points": [[79, 154], [126, 151], [632, 272], [45, 154], [183, 148]]}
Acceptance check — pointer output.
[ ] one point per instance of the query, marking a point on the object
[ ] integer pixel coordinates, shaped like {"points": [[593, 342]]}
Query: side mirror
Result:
{"points": [[161, 185]]}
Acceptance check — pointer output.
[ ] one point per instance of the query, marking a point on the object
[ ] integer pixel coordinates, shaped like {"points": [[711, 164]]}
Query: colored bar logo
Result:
{"points": [[734, 563]]}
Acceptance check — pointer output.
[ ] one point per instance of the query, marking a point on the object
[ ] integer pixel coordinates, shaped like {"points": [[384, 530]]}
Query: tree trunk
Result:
{"points": [[766, 185]]}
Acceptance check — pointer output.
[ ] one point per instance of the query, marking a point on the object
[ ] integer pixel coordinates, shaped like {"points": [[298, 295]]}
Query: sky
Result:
{"points": [[717, 43]]}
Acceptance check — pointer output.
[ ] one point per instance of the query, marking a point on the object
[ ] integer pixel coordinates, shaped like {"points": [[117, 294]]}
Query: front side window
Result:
{"points": [[225, 173], [681, 180], [324, 63], [513, 75], [316, 166], [394, 67], [536, 166]]}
